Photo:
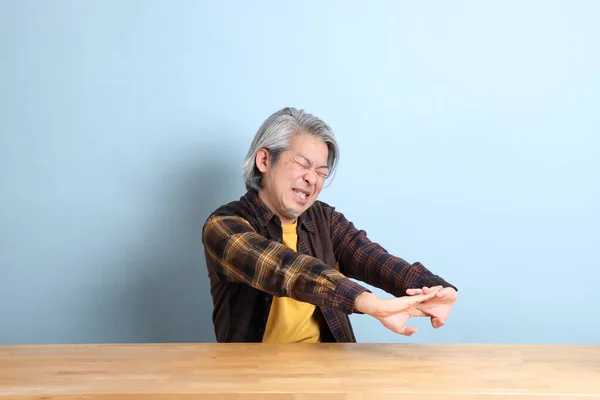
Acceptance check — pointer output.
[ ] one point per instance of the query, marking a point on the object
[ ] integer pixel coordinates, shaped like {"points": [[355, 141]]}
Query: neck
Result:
{"points": [[285, 219]]}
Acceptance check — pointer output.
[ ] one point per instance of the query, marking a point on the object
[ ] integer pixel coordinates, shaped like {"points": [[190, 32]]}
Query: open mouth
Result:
{"points": [[302, 194]]}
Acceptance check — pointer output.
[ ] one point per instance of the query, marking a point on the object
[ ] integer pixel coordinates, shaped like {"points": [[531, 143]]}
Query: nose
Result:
{"points": [[310, 177]]}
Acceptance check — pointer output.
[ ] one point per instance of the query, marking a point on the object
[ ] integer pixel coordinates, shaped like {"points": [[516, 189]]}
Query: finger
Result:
{"points": [[406, 330], [447, 293], [423, 290], [414, 300], [398, 304], [437, 322], [431, 289], [418, 313]]}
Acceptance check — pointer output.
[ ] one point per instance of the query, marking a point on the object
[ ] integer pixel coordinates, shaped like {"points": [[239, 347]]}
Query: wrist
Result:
{"points": [[366, 302]]}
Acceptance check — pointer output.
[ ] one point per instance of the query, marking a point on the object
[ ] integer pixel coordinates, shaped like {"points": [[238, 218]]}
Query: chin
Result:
{"points": [[294, 209], [293, 213]]}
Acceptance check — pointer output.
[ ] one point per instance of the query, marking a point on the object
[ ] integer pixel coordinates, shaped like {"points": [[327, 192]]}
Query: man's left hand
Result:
{"points": [[437, 308]]}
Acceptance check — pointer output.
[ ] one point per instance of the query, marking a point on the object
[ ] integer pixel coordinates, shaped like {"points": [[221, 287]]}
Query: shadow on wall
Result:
{"points": [[174, 292]]}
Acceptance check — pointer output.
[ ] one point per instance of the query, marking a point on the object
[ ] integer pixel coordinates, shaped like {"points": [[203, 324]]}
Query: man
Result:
{"points": [[280, 262]]}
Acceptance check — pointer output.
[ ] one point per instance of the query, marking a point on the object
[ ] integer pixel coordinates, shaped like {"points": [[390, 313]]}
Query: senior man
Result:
{"points": [[280, 262]]}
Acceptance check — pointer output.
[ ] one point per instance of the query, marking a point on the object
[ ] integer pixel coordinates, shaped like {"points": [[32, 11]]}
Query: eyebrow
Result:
{"points": [[311, 163]]}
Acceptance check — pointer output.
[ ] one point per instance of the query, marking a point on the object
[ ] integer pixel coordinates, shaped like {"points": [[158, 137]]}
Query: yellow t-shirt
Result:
{"points": [[291, 321]]}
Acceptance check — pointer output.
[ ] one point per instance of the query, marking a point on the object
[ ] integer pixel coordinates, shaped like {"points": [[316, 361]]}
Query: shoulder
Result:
{"points": [[324, 212], [227, 220], [321, 205], [236, 208], [232, 208], [321, 212]]}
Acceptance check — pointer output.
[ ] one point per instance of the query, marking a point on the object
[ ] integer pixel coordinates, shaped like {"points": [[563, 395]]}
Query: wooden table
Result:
{"points": [[321, 371]]}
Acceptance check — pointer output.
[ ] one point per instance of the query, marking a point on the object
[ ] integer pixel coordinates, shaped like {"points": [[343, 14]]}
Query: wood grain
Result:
{"points": [[304, 371]]}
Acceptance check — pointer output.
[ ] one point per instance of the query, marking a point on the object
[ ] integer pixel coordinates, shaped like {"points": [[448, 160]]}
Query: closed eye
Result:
{"points": [[323, 174], [322, 171]]}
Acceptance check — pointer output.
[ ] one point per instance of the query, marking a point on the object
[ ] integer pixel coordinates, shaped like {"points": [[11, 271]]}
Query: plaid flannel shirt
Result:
{"points": [[248, 264]]}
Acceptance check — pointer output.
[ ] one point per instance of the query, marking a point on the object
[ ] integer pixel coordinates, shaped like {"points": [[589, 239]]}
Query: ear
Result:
{"points": [[263, 160]]}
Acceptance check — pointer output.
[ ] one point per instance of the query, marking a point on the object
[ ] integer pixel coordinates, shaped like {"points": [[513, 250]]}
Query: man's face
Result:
{"points": [[293, 184]]}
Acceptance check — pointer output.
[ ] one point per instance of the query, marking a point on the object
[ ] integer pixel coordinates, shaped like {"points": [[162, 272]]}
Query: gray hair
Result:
{"points": [[275, 134]]}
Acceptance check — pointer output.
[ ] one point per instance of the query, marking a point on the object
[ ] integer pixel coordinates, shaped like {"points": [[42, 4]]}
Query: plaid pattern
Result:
{"points": [[248, 265], [362, 259], [246, 257]]}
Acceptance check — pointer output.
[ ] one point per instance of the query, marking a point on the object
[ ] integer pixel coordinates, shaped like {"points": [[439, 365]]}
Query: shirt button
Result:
{"points": [[267, 299], [279, 240]]}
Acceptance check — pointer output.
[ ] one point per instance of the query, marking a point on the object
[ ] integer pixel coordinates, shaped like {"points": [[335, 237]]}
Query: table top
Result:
{"points": [[302, 371]]}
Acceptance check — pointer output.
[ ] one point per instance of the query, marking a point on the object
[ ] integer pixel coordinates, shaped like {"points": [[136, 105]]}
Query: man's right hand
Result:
{"points": [[393, 313]]}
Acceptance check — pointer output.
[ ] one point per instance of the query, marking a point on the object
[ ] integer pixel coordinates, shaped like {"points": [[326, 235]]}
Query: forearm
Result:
{"points": [[362, 259], [237, 253]]}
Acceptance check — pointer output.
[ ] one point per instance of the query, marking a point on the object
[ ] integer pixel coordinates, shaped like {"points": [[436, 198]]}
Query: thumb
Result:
{"points": [[437, 322], [406, 330]]}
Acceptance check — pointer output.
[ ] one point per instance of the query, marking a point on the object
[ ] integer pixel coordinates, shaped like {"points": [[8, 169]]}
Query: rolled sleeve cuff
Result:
{"points": [[432, 280], [345, 295]]}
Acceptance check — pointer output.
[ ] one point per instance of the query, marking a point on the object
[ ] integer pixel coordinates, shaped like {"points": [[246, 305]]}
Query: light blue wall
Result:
{"points": [[469, 134]]}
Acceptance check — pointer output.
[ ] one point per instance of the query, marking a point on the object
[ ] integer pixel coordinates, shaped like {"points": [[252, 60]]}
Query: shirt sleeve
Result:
{"points": [[362, 259], [237, 253]]}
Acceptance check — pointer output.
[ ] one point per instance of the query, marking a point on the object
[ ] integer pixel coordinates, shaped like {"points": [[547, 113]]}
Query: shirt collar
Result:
{"points": [[264, 214]]}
